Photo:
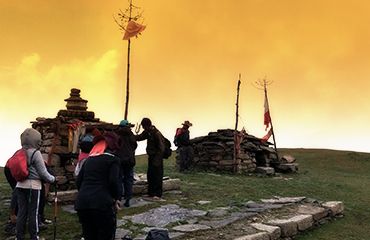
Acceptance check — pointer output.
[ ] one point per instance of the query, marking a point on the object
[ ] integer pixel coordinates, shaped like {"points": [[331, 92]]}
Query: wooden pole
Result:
{"points": [[272, 127], [235, 160], [128, 68]]}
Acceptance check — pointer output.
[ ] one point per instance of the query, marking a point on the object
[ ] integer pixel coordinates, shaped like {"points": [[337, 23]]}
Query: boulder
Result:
{"points": [[316, 212], [255, 236], [335, 207], [288, 227], [273, 231]]}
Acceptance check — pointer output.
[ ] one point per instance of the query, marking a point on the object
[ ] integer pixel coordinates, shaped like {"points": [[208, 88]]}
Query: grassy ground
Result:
{"points": [[324, 175]]}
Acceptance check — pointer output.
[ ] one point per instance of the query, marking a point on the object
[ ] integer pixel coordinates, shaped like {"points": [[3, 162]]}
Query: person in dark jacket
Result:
{"points": [[10, 226], [154, 149], [99, 192], [184, 149], [126, 153]]}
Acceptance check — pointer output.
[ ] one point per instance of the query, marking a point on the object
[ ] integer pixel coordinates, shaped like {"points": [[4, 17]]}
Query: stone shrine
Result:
{"points": [[216, 152]]}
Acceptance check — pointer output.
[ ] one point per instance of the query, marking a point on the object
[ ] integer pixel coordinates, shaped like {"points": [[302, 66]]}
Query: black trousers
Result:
{"points": [[128, 181], [28, 203], [42, 202], [12, 182], [155, 176], [186, 157], [97, 224]]}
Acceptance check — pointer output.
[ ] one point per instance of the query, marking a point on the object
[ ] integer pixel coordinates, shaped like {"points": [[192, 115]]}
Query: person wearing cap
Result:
{"points": [[85, 144], [155, 149], [100, 191], [184, 149], [126, 152]]}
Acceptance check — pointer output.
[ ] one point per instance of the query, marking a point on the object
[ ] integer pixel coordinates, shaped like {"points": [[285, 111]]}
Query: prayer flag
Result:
{"points": [[133, 29], [267, 117], [267, 136]]}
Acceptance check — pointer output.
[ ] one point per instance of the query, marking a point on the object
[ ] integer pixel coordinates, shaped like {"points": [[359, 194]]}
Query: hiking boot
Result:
{"points": [[158, 199], [10, 228], [42, 226], [127, 203]]}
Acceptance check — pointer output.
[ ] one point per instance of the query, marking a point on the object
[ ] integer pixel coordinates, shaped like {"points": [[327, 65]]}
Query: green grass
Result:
{"points": [[325, 175]]}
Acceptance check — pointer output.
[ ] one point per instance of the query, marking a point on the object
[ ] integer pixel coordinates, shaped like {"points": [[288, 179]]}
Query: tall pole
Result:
{"points": [[236, 126], [128, 67], [272, 127]]}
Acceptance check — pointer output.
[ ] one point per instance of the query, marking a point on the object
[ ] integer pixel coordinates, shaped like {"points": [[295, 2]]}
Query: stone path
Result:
{"points": [[269, 219]]}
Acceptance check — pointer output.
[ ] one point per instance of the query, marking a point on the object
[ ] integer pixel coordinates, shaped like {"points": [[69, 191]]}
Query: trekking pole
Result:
{"points": [[55, 210]]}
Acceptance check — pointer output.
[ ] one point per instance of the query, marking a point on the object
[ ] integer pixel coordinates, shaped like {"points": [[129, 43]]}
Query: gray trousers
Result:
{"points": [[28, 204]]}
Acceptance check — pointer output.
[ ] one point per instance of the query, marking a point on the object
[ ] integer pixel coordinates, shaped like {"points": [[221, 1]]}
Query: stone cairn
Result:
{"points": [[216, 152], [59, 135]]}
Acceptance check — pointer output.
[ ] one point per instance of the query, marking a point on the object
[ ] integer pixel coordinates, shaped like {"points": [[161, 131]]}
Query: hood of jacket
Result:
{"points": [[31, 138]]}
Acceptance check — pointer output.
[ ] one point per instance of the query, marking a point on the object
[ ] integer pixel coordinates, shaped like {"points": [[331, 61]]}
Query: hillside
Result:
{"points": [[323, 174]]}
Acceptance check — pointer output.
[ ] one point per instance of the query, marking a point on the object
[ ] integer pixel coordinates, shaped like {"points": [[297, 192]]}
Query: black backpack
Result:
{"points": [[157, 234], [167, 148]]}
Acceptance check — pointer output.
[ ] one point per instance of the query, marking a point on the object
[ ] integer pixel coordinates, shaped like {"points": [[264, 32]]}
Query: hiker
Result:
{"points": [[126, 153], [85, 144], [99, 192], [28, 191], [184, 149], [155, 149], [42, 220], [11, 224]]}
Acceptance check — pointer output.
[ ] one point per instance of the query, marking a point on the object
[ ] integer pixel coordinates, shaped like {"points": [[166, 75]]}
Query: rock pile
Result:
{"points": [[60, 137], [216, 152]]}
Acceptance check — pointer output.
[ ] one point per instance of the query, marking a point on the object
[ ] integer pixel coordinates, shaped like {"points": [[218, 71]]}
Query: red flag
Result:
{"points": [[267, 117], [267, 136], [133, 29]]}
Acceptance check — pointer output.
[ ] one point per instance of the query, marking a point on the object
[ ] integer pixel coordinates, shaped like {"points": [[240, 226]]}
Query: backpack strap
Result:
{"points": [[30, 163]]}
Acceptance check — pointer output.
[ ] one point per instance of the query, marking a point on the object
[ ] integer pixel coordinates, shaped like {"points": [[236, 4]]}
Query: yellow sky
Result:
{"points": [[186, 64]]}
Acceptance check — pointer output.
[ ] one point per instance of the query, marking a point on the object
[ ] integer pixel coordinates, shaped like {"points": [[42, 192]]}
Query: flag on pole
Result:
{"points": [[267, 117], [267, 136], [133, 29]]}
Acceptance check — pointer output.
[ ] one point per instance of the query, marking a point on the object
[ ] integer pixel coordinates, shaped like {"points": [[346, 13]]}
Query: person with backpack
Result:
{"points": [[11, 224], [126, 152], [155, 150], [28, 190], [184, 149]]}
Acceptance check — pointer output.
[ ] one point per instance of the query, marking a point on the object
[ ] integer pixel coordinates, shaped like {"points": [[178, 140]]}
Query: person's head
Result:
{"points": [[146, 123], [97, 136], [86, 143], [31, 138], [125, 123], [112, 141], [187, 124]]}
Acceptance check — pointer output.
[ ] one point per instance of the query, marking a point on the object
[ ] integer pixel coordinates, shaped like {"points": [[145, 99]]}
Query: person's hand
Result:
{"points": [[117, 205], [58, 179]]}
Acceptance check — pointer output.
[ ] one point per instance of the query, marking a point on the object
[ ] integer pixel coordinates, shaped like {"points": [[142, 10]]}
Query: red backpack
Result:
{"points": [[18, 165]]}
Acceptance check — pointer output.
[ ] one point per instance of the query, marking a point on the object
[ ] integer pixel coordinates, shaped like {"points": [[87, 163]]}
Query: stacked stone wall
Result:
{"points": [[216, 152]]}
